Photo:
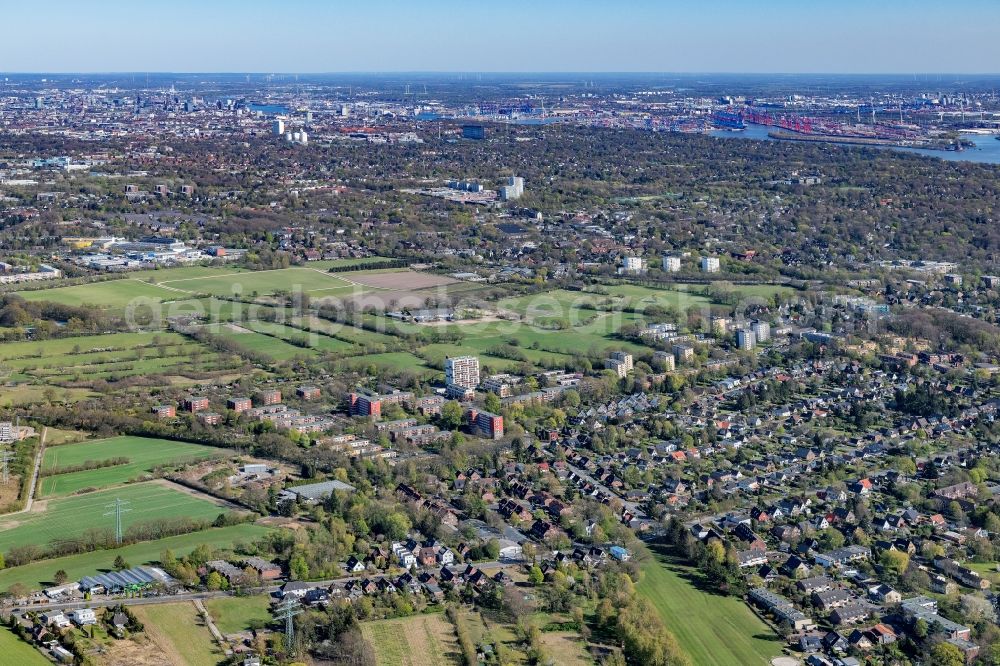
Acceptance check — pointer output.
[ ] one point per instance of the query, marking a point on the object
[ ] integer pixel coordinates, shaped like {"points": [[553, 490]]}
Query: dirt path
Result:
{"points": [[216, 634], [33, 483]]}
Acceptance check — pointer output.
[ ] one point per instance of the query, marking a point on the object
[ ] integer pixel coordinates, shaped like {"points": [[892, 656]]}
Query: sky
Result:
{"points": [[308, 36]]}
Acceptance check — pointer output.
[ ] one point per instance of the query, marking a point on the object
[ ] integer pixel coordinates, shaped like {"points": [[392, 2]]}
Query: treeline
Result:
{"points": [[84, 466], [948, 328], [387, 263], [712, 559], [634, 621], [465, 642], [50, 320]]}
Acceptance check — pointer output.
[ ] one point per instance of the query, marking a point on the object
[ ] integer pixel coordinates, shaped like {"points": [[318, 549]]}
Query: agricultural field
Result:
{"points": [[144, 454], [72, 517], [420, 640], [710, 628], [346, 332], [394, 361], [39, 574], [272, 347], [16, 651], [180, 632], [107, 356], [316, 341], [235, 614]]}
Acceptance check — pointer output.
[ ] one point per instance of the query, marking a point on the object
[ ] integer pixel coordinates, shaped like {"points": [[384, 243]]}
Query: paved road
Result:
{"points": [[633, 508], [104, 602]]}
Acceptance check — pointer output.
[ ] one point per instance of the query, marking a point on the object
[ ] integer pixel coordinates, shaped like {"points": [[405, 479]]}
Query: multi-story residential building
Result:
{"points": [[269, 397], [210, 418], [164, 411], [429, 405], [618, 366], [462, 371], [710, 265], [239, 404], [633, 265], [745, 339], [196, 403], [671, 264], [365, 405], [501, 384], [761, 330], [485, 424], [624, 357], [683, 352], [307, 392], [666, 359]]}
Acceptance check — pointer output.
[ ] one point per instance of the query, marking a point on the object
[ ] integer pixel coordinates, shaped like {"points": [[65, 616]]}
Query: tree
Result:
{"points": [[298, 567], [396, 526], [492, 402], [214, 581], [452, 414], [895, 561], [716, 551], [831, 538], [946, 654], [120, 564], [61, 577], [535, 575]]}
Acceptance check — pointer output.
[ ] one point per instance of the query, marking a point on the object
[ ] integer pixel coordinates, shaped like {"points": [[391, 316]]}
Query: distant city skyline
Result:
{"points": [[312, 36]]}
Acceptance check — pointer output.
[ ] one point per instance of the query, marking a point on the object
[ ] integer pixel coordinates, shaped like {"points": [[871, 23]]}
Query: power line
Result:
{"points": [[117, 509], [287, 610]]}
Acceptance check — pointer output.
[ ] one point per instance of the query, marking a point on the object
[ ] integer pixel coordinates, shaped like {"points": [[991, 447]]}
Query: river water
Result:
{"points": [[987, 149]]}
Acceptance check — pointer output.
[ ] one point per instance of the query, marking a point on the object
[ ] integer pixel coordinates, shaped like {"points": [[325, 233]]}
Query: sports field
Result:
{"points": [[421, 640], [711, 628], [39, 574], [143, 453], [72, 517]]}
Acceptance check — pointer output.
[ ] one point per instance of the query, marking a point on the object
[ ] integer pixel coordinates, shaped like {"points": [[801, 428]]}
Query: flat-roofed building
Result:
{"points": [[462, 371]]}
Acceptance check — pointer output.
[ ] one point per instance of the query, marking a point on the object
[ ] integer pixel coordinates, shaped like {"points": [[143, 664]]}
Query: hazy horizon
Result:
{"points": [[445, 36]]}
